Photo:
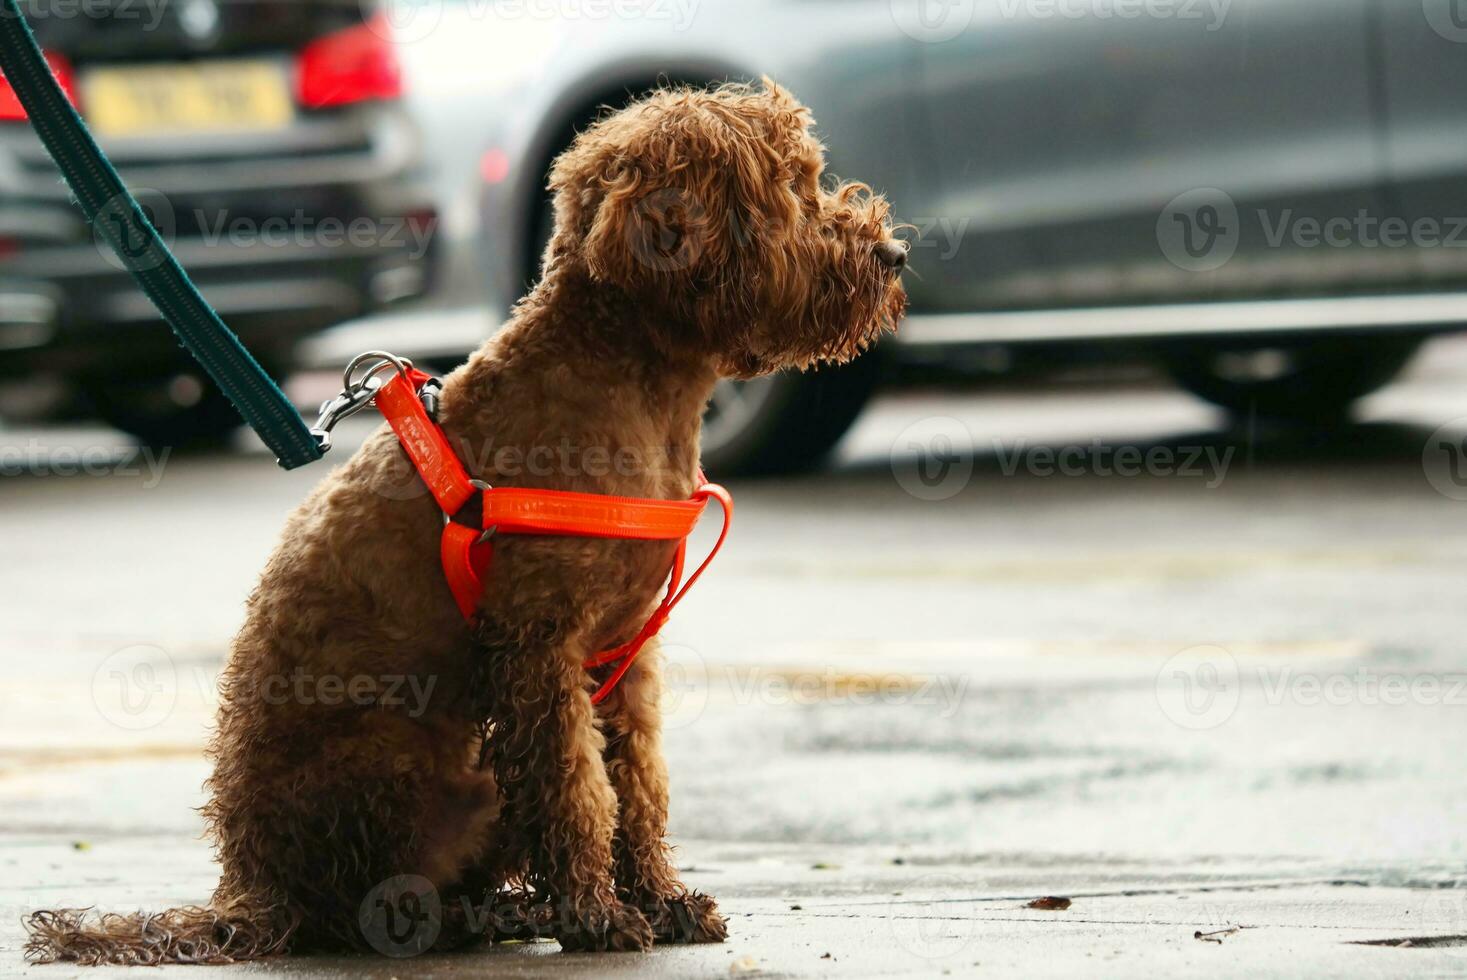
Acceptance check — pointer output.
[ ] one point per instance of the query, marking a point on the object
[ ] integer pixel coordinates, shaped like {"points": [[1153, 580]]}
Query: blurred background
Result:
{"points": [[1132, 566], [1257, 199]]}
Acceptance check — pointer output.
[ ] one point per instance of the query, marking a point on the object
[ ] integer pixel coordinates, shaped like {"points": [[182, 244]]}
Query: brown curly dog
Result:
{"points": [[694, 241]]}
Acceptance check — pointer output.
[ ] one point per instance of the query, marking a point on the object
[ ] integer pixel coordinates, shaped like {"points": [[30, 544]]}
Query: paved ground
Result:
{"points": [[1228, 692]]}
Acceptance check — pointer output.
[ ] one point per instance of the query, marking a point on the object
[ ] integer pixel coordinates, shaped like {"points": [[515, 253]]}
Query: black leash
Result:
{"points": [[116, 216]]}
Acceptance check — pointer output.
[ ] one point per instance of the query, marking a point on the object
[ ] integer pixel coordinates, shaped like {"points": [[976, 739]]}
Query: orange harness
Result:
{"points": [[467, 547]]}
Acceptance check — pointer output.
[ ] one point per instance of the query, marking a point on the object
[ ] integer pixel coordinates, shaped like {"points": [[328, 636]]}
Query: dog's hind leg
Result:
{"points": [[345, 816], [546, 750], [645, 875], [315, 825]]}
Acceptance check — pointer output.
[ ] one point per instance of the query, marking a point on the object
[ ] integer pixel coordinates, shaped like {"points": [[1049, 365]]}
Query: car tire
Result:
{"points": [[1310, 382], [785, 423], [182, 412]]}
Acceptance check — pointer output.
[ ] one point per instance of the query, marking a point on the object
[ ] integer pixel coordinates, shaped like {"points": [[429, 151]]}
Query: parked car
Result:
{"points": [[1207, 183], [270, 143]]}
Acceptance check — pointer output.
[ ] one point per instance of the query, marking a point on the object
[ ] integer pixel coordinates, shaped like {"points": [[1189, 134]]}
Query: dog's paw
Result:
{"points": [[616, 930], [690, 918], [516, 916]]}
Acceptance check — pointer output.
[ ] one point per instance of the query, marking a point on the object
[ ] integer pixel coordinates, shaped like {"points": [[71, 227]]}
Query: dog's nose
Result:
{"points": [[893, 255]]}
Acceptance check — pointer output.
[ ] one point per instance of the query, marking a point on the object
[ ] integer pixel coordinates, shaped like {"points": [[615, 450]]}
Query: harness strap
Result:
{"points": [[424, 441], [627, 653], [116, 216], [514, 511], [466, 550]]}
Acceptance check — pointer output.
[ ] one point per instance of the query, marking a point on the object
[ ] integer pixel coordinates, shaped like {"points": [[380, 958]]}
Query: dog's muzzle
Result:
{"points": [[892, 254]]}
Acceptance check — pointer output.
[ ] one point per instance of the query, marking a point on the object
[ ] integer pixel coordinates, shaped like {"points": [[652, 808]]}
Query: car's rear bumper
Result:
{"points": [[328, 222], [86, 313]]}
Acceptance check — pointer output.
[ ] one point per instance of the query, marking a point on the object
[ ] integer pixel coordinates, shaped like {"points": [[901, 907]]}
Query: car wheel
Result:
{"points": [[786, 422], [1314, 381], [184, 411]]}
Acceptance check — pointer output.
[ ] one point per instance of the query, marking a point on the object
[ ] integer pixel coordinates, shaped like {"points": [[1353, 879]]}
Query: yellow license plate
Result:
{"points": [[222, 96]]}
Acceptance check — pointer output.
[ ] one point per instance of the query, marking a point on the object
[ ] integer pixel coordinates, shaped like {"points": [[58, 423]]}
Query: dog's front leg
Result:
{"points": [[547, 754], [645, 875]]}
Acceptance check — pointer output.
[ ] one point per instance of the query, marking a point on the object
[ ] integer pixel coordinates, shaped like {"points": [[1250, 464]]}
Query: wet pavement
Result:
{"points": [[1076, 641]]}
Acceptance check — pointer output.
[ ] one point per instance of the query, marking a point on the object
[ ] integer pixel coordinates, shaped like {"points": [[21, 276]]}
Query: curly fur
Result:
{"points": [[694, 240]]}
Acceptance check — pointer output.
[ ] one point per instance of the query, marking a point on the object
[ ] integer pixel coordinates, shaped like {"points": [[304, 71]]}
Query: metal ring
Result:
{"points": [[385, 359], [488, 532]]}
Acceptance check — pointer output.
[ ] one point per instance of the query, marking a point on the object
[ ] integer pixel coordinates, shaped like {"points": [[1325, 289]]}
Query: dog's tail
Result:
{"points": [[184, 935]]}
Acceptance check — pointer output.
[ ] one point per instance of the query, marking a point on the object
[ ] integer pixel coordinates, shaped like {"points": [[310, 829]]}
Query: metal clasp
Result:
{"points": [[357, 395], [383, 360]]}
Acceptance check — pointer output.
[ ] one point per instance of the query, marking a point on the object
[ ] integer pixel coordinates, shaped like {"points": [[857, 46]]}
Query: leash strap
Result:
{"points": [[116, 216], [467, 549]]}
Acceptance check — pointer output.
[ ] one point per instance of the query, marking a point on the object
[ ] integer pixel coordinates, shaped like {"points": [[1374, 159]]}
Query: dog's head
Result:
{"points": [[708, 207]]}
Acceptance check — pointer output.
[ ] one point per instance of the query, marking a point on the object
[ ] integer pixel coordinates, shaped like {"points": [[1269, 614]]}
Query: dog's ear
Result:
{"points": [[688, 199], [662, 217], [650, 232]]}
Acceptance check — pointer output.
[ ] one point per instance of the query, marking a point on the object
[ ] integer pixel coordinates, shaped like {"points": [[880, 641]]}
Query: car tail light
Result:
{"points": [[10, 108], [494, 166], [358, 64]]}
